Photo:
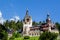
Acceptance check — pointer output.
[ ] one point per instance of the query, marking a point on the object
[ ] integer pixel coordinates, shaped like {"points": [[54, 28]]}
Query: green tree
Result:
{"points": [[34, 23], [12, 25], [58, 26], [3, 33], [19, 25], [6, 24], [40, 22], [26, 37], [16, 34], [12, 38], [48, 36]]}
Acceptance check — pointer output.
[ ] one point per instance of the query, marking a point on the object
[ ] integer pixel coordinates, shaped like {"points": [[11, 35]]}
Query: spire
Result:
{"points": [[27, 15], [48, 18], [27, 11]]}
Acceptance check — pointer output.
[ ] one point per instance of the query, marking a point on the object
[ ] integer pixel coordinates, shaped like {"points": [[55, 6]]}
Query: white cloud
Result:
{"points": [[1, 18], [15, 18], [12, 19], [0, 14]]}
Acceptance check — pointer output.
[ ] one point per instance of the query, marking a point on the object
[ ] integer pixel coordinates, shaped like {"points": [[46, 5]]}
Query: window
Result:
{"points": [[29, 33], [27, 20]]}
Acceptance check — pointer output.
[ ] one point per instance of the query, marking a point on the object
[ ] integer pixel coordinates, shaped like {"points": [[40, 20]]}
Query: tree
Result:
{"points": [[19, 25], [40, 22], [16, 34], [12, 25], [6, 24], [3, 33], [58, 26], [26, 37], [48, 36], [11, 38], [34, 23]]}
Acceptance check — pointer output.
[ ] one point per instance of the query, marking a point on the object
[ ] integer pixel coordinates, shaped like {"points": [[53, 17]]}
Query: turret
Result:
{"points": [[48, 20], [27, 23]]}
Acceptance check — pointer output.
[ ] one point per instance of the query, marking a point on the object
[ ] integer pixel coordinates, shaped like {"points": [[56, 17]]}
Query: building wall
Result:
{"points": [[26, 26], [34, 33]]}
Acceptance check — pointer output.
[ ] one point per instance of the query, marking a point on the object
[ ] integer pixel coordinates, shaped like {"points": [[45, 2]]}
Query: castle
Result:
{"points": [[30, 30]]}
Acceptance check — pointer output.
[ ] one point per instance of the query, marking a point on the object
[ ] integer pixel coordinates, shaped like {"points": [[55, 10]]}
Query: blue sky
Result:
{"points": [[38, 9]]}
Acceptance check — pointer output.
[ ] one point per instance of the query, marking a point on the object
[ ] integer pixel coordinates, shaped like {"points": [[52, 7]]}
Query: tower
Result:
{"points": [[27, 23], [48, 21]]}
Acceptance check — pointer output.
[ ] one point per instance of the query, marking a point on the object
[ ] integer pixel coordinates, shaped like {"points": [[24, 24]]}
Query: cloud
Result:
{"points": [[1, 18], [0, 14], [15, 18], [12, 19]]}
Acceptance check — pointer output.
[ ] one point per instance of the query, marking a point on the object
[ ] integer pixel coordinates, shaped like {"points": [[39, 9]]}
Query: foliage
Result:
{"points": [[58, 26], [31, 38], [6, 24], [26, 37], [40, 23], [3, 33], [34, 23], [48, 36], [12, 38], [14, 25], [16, 35], [19, 25]]}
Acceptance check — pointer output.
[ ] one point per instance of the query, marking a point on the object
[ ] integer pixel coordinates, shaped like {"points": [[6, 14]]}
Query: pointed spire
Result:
{"points": [[27, 11], [48, 16], [27, 14]]}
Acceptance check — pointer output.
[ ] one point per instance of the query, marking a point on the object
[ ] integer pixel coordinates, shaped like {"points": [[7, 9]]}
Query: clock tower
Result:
{"points": [[27, 23]]}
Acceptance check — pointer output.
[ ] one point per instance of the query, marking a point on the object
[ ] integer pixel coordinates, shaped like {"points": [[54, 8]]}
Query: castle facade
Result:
{"points": [[30, 30]]}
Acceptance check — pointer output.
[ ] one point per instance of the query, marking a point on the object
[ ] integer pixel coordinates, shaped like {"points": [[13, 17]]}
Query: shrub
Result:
{"points": [[48, 36], [5, 35], [16, 35], [11, 38], [26, 37]]}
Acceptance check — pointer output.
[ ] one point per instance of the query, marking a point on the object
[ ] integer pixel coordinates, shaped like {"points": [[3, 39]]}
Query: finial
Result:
{"points": [[48, 15]]}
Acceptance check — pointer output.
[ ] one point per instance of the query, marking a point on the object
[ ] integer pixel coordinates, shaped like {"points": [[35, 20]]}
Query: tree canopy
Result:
{"points": [[48, 36]]}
